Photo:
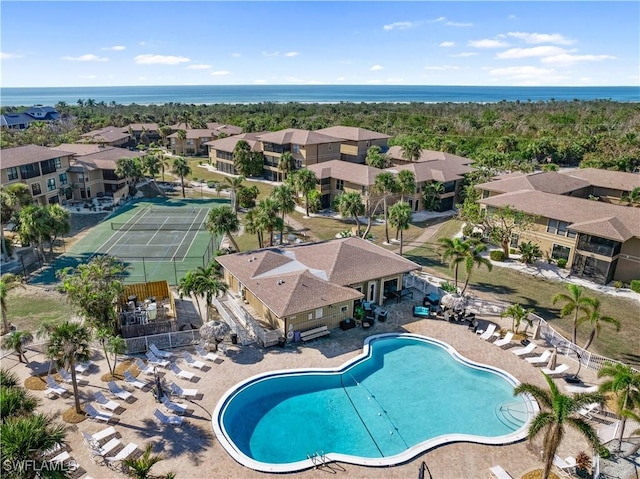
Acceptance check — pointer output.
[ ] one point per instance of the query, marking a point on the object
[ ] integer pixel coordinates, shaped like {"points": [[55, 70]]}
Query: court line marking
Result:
{"points": [[115, 233], [158, 231], [180, 245]]}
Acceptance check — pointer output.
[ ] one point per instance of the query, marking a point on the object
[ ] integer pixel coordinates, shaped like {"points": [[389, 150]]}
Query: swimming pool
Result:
{"points": [[403, 395]]}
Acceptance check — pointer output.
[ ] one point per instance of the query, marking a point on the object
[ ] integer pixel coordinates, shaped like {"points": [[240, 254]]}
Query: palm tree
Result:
{"points": [[68, 344], [60, 224], [385, 184], [558, 411], [305, 182], [186, 286], [376, 158], [207, 283], [223, 221], [182, 137], [350, 204], [518, 314], [181, 168], [242, 157], [267, 217], [234, 183], [286, 164], [633, 197], [140, 467], [34, 226], [400, 218], [252, 226], [576, 303], [164, 132], [17, 340], [284, 198], [596, 318], [8, 281], [12, 198], [411, 150], [17, 401], [474, 258], [406, 181], [431, 195], [624, 382], [456, 251], [152, 163]]}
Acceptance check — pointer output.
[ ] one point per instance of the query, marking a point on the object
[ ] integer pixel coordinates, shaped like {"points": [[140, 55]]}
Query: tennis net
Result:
{"points": [[158, 226]]}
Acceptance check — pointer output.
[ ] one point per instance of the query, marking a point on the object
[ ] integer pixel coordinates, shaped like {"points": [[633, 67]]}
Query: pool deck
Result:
{"points": [[191, 450]]}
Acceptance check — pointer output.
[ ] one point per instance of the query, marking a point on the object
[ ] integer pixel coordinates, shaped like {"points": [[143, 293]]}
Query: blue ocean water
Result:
{"points": [[234, 94]]}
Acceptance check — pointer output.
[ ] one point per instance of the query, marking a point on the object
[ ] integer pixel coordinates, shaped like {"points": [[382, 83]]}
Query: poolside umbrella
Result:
{"points": [[453, 301], [214, 331], [552, 364]]}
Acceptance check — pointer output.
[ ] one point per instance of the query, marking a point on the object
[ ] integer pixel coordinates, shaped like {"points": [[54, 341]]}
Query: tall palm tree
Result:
{"points": [[181, 168], [267, 217], [596, 318], [431, 195], [557, 412], [350, 204], [68, 344], [385, 184], [234, 183], [575, 303], [624, 382], [305, 182], [164, 131], [207, 283], [34, 226], [151, 163], [474, 258], [252, 226], [376, 158], [222, 221], [517, 314], [187, 287], [456, 251], [182, 137], [406, 181], [411, 150], [286, 164], [400, 218], [17, 340], [8, 281], [284, 198]]}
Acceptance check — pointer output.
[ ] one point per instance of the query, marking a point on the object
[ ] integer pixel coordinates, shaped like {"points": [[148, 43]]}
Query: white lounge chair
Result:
{"points": [[66, 377], [60, 458], [104, 402], [118, 392], [542, 359], [131, 379], [183, 393], [181, 373], [500, 473], [504, 341], [143, 368], [54, 387], [581, 389], [589, 409], [102, 434], [554, 372], [156, 361], [100, 452], [566, 467], [158, 352], [526, 350], [96, 415], [206, 354], [55, 450], [488, 333], [192, 362], [83, 367], [174, 407], [170, 420], [124, 453]]}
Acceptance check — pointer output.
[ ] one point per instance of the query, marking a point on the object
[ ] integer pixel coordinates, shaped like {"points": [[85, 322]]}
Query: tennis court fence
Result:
{"points": [[186, 226]]}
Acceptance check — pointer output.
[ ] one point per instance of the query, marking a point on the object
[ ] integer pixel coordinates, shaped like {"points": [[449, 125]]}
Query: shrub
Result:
{"points": [[448, 287], [583, 461], [211, 184], [635, 285], [530, 252], [603, 452], [496, 255], [195, 179], [512, 251], [562, 263], [467, 230], [618, 284]]}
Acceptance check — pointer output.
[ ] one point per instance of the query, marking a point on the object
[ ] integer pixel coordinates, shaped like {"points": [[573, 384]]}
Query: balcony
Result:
{"points": [[601, 246]]}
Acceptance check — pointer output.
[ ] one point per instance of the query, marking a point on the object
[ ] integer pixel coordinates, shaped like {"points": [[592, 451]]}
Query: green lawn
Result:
{"points": [[27, 309], [505, 284]]}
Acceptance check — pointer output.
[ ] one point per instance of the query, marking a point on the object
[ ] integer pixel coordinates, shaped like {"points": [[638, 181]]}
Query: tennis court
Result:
{"points": [[157, 239]]}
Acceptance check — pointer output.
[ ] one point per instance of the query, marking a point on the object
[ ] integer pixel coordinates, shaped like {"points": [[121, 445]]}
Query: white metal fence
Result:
{"points": [[171, 340]]}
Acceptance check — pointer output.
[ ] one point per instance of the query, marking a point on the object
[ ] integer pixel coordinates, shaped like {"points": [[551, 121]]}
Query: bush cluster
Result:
{"points": [[635, 285], [496, 255]]}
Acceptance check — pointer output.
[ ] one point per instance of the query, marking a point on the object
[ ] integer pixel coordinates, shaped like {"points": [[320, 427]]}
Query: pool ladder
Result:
{"points": [[318, 459]]}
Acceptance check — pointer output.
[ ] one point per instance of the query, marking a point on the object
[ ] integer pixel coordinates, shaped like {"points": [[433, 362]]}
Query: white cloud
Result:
{"points": [[512, 17], [315, 82], [235, 55], [376, 68], [340, 79], [294, 80], [487, 43], [399, 26], [199, 66], [291, 54], [270, 54], [259, 82], [115, 48], [464, 54], [458, 24], [447, 44], [9, 56], [375, 82], [219, 73], [90, 57], [522, 72], [160, 60], [568, 59], [442, 67], [437, 20], [542, 51], [534, 38], [395, 80]]}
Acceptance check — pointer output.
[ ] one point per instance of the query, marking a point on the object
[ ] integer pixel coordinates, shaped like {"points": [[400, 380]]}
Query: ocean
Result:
{"points": [[234, 94]]}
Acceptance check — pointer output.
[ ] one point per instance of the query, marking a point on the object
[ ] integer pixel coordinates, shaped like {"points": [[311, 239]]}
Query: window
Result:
{"points": [[63, 179], [29, 171], [35, 189], [51, 184], [552, 226], [57, 163], [485, 193], [560, 228], [560, 252], [318, 313], [340, 185], [343, 309], [190, 142], [330, 146], [295, 148], [514, 241], [12, 173]]}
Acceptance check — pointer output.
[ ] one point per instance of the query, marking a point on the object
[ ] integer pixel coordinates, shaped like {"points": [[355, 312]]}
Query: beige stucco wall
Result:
{"points": [[628, 261], [538, 234]]}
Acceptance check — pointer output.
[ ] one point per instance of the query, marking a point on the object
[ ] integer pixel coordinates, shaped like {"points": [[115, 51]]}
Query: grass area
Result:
{"points": [[28, 308], [505, 284]]}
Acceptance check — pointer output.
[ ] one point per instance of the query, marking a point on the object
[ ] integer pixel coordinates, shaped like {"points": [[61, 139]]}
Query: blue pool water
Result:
{"points": [[404, 392]]}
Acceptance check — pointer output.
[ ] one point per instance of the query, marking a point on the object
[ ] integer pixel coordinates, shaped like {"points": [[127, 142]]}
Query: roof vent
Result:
{"points": [[281, 281]]}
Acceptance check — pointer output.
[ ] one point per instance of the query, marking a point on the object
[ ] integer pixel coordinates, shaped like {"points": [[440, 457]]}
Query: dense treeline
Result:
{"points": [[504, 135]]}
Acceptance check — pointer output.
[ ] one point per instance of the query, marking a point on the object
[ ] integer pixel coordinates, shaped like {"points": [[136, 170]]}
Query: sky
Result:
{"points": [[494, 43]]}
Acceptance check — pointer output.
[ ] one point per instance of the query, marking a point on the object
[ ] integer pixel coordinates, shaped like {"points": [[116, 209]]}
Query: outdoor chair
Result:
{"points": [[554, 372], [206, 354], [83, 367], [161, 354], [173, 407], [118, 392], [589, 409], [125, 453], [144, 368], [581, 389], [192, 362], [538, 360], [488, 333], [66, 377], [96, 415], [104, 402], [170, 420], [504, 341], [183, 393], [54, 387], [499, 473], [131, 379], [181, 373], [101, 435], [98, 452], [156, 361], [528, 349], [566, 467]]}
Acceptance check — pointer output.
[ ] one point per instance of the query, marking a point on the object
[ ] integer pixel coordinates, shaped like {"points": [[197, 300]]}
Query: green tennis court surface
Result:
{"points": [[157, 239]]}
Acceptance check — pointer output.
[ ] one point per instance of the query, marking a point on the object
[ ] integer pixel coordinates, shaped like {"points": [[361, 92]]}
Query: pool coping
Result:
{"points": [[405, 456]]}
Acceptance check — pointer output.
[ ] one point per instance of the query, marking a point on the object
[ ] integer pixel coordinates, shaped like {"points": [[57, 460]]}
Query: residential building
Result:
{"points": [[548, 182], [195, 139], [109, 136], [44, 170], [307, 148], [356, 141], [21, 120], [599, 240], [607, 185], [145, 133], [299, 287], [221, 150]]}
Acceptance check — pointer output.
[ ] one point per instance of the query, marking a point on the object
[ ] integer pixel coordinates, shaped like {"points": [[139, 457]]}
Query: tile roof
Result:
{"points": [[193, 133], [140, 127], [395, 152], [24, 155], [352, 133], [549, 182], [226, 129], [297, 137], [606, 220], [229, 143], [315, 274], [617, 180], [363, 175], [442, 171], [107, 134], [99, 157]]}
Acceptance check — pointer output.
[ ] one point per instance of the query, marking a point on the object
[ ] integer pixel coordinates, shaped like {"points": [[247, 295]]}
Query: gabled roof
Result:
{"points": [[107, 134], [616, 180], [194, 133], [226, 129], [549, 182], [601, 219], [297, 137], [24, 155], [229, 143], [395, 152], [93, 157], [352, 133], [442, 171], [363, 175], [140, 127]]}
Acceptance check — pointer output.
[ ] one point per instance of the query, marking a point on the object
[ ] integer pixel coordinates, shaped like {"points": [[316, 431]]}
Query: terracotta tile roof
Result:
{"points": [[352, 133], [549, 182], [395, 152], [24, 155], [229, 143], [297, 137], [343, 170], [594, 217], [436, 170], [617, 180]]}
